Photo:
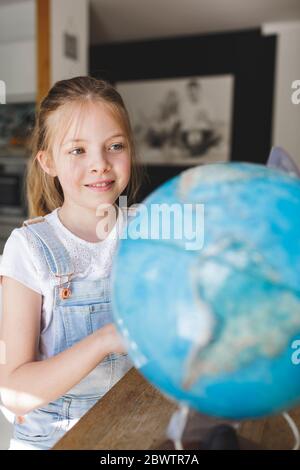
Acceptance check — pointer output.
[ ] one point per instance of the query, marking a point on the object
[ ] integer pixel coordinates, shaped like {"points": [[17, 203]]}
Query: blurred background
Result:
{"points": [[204, 81]]}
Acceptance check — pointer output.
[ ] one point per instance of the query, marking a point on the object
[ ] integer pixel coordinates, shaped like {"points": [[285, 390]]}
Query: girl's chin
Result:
{"points": [[94, 205]]}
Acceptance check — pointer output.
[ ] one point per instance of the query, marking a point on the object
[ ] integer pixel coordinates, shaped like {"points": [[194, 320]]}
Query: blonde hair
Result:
{"points": [[44, 192]]}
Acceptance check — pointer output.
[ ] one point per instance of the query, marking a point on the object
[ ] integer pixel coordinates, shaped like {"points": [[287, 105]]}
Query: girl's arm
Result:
{"points": [[26, 383]]}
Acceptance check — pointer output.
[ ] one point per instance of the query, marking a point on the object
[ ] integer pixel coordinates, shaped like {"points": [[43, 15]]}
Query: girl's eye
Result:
{"points": [[117, 147], [75, 151]]}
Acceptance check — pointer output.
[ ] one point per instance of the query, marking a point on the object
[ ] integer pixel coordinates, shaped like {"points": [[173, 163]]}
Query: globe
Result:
{"points": [[206, 289]]}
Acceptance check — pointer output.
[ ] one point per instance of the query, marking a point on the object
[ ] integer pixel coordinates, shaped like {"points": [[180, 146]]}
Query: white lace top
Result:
{"points": [[22, 261]]}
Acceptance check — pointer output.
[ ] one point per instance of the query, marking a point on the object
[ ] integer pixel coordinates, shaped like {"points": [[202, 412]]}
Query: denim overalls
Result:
{"points": [[80, 307]]}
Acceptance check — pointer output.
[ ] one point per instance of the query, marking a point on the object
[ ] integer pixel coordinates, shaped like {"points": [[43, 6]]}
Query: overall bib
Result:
{"points": [[80, 307]]}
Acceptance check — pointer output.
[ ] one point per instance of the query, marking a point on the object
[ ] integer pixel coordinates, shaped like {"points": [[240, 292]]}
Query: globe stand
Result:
{"points": [[189, 430]]}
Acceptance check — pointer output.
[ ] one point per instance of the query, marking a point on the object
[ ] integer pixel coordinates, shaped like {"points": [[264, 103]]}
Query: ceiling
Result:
{"points": [[125, 20], [128, 20]]}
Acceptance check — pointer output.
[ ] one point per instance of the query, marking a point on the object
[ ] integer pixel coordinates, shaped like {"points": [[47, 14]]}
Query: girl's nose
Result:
{"points": [[99, 164]]}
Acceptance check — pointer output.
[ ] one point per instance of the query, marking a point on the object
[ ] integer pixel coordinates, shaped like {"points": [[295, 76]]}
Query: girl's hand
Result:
{"points": [[112, 339]]}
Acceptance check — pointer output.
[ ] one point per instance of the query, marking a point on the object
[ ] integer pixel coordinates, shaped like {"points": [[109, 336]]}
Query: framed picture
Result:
{"points": [[182, 121]]}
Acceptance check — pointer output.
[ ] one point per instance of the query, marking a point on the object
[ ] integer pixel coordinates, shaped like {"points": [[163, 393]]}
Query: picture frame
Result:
{"points": [[181, 121]]}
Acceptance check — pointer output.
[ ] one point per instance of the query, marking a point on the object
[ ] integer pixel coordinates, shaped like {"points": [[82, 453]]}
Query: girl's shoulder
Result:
{"points": [[20, 259], [19, 237], [25, 231], [23, 235], [23, 257], [22, 243]]}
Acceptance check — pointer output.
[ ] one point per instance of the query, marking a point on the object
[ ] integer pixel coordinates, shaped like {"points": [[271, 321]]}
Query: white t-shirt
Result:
{"points": [[22, 261]]}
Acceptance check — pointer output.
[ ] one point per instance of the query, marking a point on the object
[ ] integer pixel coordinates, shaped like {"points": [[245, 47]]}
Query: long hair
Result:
{"points": [[44, 192]]}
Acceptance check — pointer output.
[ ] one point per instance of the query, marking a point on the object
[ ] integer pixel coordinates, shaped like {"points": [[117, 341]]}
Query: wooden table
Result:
{"points": [[134, 415]]}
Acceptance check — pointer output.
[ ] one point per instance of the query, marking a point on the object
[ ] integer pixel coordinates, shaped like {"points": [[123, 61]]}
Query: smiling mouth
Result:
{"points": [[105, 184], [100, 187]]}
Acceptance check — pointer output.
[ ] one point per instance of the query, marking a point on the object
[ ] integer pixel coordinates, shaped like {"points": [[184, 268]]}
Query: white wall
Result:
{"points": [[286, 123], [18, 45], [72, 17], [17, 21], [17, 50]]}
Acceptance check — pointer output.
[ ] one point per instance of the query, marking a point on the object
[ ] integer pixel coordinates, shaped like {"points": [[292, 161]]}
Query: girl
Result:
{"points": [[62, 351]]}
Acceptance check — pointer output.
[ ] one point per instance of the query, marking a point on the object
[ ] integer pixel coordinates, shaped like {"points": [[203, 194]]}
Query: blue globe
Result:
{"points": [[209, 306]]}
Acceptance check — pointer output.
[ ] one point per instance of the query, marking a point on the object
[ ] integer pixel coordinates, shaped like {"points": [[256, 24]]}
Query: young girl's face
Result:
{"points": [[93, 161]]}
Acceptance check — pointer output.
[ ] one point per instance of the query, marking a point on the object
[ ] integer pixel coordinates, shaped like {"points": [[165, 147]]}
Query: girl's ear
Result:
{"points": [[46, 163]]}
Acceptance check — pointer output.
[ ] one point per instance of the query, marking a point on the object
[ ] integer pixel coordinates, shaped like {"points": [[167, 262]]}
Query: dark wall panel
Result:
{"points": [[248, 55]]}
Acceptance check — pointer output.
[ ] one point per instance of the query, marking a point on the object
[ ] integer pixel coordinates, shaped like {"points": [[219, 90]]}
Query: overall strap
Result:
{"points": [[58, 258]]}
